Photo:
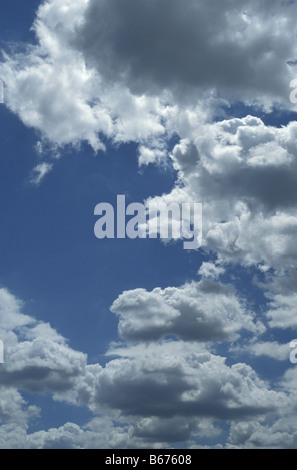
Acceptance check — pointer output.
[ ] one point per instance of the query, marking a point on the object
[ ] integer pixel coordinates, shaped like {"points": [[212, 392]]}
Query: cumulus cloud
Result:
{"points": [[280, 290], [144, 71], [83, 79], [199, 384], [273, 350], [15, 415], [210, 270], [280, 434], [105, 68], [202, 311], [37, 358], [175, 429], [145, 385], [243, 172], [156, 46], [99, 433], [282, 313], [150, 394], [52, 90], [10, 309]]}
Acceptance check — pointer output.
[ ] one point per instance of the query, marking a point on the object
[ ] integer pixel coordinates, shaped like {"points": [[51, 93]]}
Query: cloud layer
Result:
{"points": [[144, 388], [123, 71]]}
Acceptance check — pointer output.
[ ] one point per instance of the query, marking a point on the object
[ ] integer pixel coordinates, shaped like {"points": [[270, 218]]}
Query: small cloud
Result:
{"points": [[39, 172], [45, 148], [210, 270], [150, 155]]}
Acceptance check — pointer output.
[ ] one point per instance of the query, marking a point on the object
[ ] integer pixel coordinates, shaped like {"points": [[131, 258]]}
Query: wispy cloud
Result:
{"points": [[39, 173]]}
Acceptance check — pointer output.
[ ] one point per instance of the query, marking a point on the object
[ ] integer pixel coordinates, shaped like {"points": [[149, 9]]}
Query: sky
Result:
{"points": [[140, 343]]}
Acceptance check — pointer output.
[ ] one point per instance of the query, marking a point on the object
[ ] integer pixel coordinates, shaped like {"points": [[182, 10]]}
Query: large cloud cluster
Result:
{"points": [[151, 393], [104, 67], [244, 173], [192, 47]]}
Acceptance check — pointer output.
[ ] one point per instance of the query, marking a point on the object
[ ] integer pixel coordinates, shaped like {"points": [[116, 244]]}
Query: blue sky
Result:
{"points": [[138, 343]]}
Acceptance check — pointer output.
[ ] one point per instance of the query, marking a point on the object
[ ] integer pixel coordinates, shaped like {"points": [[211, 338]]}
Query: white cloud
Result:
{"points": [[202, 311], [271, 349], [15, 415], [282, 313], [280, 434], [52, 90], [75, 84], [210, 270], [83, 79], [175, 429], [10, 312], [144, 389], [39, 172], [182, 384], [192, 48], [243, 172], [37, 358], [281, 297]]}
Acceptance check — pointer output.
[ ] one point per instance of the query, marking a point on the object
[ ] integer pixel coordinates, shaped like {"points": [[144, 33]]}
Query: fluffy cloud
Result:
{"points": [[173, 382], [144, 71], [161, 45], [281, 296], [10, 309], [282, 313], [148, 394], [37, 358], [155, 60], [280, 434], [174, 429], [14, 417], [52, 90], [183, 384], [210, 270], [273, 350], [100, 433], [244, 174], [200, 311], [83, 79]]}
